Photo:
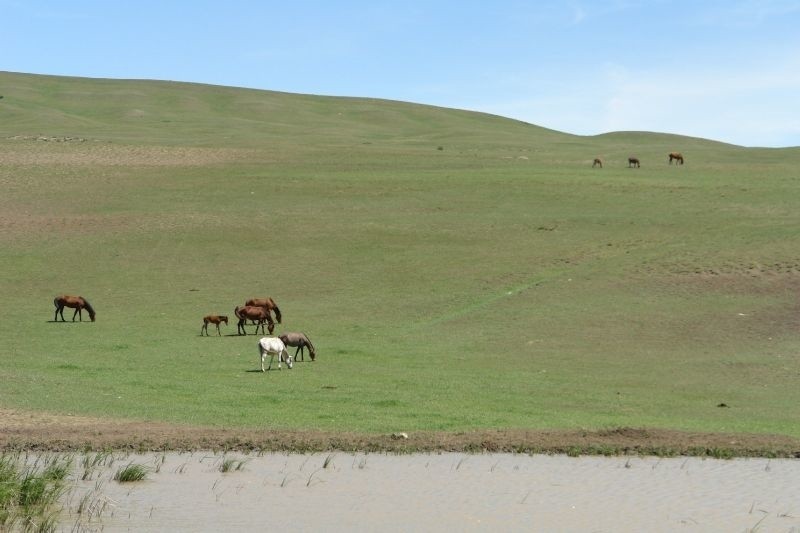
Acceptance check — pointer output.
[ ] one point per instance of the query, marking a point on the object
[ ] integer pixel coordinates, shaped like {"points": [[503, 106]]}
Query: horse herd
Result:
{"points": [[258, 310], [633, 162]]}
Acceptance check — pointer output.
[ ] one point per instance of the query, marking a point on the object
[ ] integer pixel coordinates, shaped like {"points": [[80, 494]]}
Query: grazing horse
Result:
{"points": [[273, 346], [268, 304], [257, 314], [300, 341], [633, 162], [213, 319], [75, 302], [677, 157], [597, 162]]}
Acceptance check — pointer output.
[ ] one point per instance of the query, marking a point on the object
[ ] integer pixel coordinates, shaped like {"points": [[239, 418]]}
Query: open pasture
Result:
{"points": [[455, 270]]}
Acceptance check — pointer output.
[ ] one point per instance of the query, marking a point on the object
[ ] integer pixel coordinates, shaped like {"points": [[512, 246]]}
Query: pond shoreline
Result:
{"points": [[29, 431]]}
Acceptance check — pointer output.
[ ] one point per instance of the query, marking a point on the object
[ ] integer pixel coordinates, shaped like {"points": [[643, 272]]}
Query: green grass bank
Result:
{"points": [[455, 270]]}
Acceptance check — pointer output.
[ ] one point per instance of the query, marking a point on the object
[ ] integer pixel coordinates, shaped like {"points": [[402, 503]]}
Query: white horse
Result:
{"points": [[273, 346]]}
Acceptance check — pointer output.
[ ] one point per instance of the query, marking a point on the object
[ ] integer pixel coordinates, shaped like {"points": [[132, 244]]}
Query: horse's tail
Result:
{"points": [[237, 312], [277, 314], [57, 301], [89, 308]]}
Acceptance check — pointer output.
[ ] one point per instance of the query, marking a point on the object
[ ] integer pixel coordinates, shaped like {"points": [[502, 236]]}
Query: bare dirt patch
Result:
{"points": [[20, 430], [27, 152]]}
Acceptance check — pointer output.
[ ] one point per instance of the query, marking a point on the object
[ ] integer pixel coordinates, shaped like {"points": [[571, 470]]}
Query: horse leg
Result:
{"points": [[299, 349], [77, 310], [218, 332], [55, 319], [205, 326]]}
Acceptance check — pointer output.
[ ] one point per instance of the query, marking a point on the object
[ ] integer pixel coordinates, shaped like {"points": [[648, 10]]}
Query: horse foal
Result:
{"points": [[213, 319]]}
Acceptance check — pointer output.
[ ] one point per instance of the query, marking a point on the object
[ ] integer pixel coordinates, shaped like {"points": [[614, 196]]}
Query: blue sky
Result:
{"points": [[726, 70]]}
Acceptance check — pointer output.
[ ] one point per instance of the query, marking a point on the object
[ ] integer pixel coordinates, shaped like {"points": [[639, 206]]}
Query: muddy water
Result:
{"points": [[457, 492]]}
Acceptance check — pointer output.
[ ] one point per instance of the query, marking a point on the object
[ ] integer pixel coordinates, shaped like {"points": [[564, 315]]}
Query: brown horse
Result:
{"points": [[633, 162], [299, 341], [268, 304], [677, 157], [257, 314], [213, 319], [597, 162], [75, 302]]}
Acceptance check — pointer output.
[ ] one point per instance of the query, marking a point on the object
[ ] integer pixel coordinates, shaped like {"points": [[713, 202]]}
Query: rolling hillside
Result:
{"points": [[456, 270]]}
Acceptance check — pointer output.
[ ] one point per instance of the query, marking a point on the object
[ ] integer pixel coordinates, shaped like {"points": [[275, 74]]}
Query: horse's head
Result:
{"points": [[224, 319], [271, 328], [312, 352]]}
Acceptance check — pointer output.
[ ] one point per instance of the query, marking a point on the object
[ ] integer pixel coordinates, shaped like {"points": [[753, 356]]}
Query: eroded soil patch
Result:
{"points": [[41, 431]]}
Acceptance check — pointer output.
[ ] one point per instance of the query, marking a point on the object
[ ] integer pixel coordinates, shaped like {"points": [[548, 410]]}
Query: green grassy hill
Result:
{"points": [[456, 270]]}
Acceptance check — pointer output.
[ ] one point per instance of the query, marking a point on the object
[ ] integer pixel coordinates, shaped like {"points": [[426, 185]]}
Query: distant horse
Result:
{"points": [[257, 314], [597, 162], [273, 346], [300, 341], [268, 304], [677, 157], [633, 162], [213, 319], [75, 302]]}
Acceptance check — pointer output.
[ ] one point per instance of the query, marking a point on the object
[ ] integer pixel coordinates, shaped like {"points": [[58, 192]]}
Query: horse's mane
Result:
{"points": [[89, 308], [309, 343]]}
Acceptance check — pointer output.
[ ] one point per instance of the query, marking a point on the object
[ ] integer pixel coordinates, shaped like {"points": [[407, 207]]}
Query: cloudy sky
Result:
{"points": [[725, 70]]}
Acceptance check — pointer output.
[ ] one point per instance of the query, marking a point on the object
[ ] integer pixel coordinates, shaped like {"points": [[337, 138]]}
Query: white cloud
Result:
{"points": [[755, 106], [747, 12], [578, 14]]}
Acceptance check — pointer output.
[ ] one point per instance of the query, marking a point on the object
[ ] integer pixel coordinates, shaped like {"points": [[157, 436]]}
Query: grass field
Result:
{"points": [[455, 270]]}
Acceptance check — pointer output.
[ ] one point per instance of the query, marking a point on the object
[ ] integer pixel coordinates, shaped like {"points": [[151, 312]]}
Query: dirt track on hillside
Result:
{"points": [[36, 431]]}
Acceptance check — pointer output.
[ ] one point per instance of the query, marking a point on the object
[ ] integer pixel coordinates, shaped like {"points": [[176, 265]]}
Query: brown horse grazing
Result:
{"points": [[300, 341], [677, 157], [268, 304], [213, 319], [597, 163], [633, 162], [75, 302], [257, 314]]}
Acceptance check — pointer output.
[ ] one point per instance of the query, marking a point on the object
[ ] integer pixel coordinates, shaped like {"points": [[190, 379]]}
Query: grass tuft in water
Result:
{"points": [[29, 494], [131, 472]]}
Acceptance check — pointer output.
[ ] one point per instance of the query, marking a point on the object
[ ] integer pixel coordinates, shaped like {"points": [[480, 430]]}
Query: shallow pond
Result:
{"points": [[376, 492]]}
